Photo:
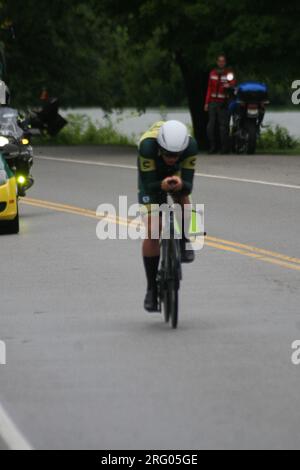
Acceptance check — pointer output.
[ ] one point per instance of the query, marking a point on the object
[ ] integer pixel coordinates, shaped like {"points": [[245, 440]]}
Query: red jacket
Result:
{"points": [[217, 92]]}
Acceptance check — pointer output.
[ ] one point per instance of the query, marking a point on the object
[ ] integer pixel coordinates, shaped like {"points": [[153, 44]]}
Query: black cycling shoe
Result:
{"points": [[151, 304], [187, 256]]}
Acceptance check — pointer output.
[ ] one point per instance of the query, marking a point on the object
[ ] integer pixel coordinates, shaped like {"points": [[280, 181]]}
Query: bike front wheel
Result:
{"points": [[167, 305], [172, 304]]}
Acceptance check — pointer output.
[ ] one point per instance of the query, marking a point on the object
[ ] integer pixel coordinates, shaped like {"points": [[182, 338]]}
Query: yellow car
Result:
{"points": [[9, 212]]}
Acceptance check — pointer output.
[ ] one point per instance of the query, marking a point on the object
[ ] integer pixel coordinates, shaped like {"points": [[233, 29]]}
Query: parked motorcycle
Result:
{"points": [[16, 148], [16, 156], [248, 112]]}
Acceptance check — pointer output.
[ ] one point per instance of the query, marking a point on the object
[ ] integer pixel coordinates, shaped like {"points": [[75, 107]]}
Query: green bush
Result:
{"points": [[82, 131], [277, 138]]}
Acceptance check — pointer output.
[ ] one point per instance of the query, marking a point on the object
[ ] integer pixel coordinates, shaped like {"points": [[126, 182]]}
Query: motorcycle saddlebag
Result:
{"points": [[250, 92]]}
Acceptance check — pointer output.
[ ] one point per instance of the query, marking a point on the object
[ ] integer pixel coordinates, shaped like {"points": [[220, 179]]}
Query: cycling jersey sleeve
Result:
{"points": [[188, 166], [147, 166]]}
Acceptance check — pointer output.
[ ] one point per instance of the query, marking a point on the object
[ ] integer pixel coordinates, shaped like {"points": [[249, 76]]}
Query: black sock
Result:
{"points": [[151, 268]]}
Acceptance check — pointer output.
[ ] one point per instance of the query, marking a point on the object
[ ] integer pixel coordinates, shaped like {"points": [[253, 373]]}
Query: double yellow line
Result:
{"points": [[258, 254], [249, 251], [73, 210]]}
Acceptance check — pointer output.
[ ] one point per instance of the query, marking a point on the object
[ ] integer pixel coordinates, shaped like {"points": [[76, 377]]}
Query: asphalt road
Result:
{"points": [[87, 368]]}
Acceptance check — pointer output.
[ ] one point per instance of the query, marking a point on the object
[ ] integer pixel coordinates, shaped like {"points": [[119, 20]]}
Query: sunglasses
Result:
{"points": [[169, 155]]}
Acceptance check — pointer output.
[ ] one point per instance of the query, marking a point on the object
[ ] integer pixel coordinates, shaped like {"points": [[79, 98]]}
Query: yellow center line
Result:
{"points": [[254, 256], [213, 242], [256, 250], [73, 210]]}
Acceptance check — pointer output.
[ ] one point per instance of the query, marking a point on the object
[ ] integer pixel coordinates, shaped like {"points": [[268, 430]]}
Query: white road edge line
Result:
{"points": [[200, 175], [10, 434]]}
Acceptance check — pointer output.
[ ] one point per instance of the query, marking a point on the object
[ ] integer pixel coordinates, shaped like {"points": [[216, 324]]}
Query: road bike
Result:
{"points": [[170, 275]]}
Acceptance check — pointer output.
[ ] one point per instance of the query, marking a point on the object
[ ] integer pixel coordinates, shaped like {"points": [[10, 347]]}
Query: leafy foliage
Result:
{"points": [[146, 53], [278, 138]]}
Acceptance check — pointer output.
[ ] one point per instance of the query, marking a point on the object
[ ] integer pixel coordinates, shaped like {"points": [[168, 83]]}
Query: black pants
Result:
{"points": [[219, 119]]}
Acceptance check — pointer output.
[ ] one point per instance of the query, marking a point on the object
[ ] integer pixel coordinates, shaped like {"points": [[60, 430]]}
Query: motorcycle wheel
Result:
{"points": [[252, 137]]}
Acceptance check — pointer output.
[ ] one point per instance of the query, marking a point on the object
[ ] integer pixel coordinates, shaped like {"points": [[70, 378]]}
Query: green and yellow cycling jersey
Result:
{"points": [[153, 170]]}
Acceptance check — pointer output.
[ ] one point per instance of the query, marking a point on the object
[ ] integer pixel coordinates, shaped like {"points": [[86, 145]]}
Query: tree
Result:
{"points": [[64, 46], [146, 52], [255, 36]]}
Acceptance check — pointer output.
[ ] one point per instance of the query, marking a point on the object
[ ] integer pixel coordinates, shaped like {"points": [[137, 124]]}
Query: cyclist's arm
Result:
{"points": [[148, 174], [148, 167], [188, 166]]}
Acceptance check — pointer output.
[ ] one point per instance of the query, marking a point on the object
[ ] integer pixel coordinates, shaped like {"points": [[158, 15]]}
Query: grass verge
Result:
{"points": [[278, 141], [82, 131]]}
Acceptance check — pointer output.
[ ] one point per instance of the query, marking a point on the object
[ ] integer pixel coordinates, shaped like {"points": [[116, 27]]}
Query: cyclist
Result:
{"points": [[167, 160]]}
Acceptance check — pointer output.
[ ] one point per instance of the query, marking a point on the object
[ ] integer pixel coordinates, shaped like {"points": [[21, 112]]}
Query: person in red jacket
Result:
{"points": [[220, 80]]}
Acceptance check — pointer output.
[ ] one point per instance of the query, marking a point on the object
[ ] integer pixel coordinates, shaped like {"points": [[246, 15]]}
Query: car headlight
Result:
{"points": [[3, 177], [3, 141]]}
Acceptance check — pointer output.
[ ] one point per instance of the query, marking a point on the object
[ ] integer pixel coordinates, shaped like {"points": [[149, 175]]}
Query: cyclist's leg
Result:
{"points": [[184, 200], [151, 247], [151, 218]]}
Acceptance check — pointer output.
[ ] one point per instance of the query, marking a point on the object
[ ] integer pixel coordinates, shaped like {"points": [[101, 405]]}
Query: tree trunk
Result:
{"points": [[196, 83]]}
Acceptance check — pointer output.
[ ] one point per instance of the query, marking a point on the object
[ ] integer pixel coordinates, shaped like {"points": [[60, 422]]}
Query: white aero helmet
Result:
{"points": [[173, 137]]}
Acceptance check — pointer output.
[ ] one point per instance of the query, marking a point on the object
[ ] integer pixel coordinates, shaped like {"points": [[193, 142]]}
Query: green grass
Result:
{"points": [[278, 141], [274, 151], [82, 131]]}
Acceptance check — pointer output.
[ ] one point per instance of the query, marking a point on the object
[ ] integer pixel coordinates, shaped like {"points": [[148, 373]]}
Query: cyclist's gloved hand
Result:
{"points": [[172, 184]]}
